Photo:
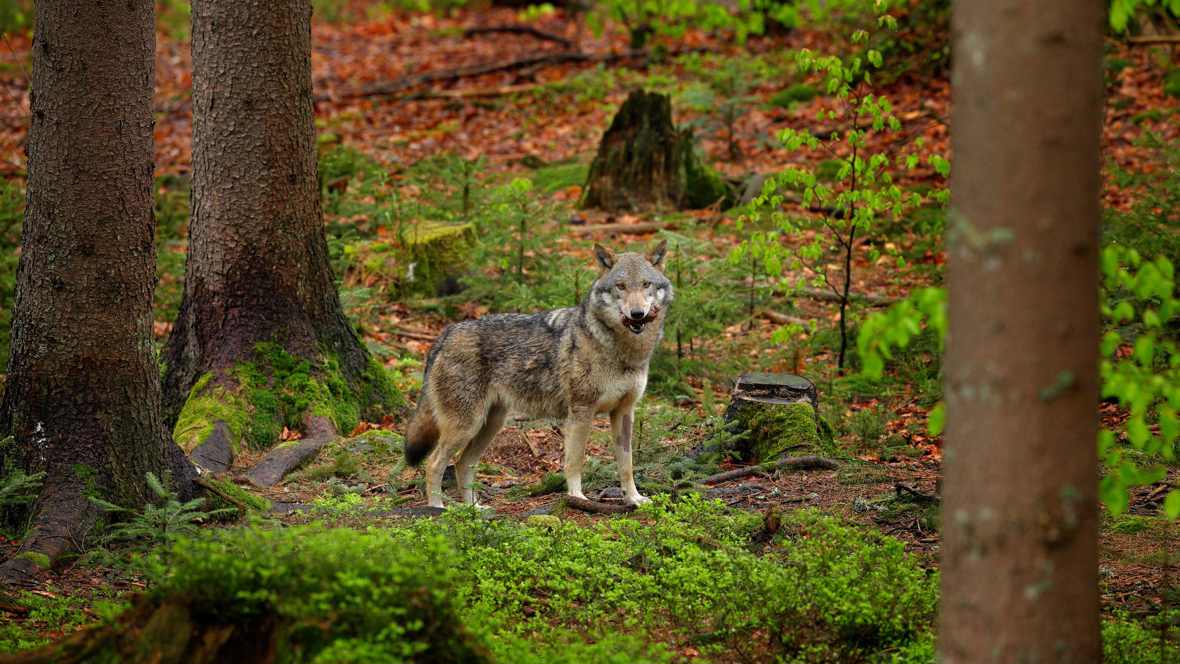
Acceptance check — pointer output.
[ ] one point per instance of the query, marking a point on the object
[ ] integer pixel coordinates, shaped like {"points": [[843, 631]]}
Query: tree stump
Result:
{"points": [[776, 412], [645, 161]]}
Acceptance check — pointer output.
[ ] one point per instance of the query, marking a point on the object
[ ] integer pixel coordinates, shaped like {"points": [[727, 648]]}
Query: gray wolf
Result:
{"points": [[567, 364]]}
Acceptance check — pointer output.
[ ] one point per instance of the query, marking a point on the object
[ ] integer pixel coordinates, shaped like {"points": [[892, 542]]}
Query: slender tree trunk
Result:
{"points": [[83, 391], [258, 267], [1019, 567]]}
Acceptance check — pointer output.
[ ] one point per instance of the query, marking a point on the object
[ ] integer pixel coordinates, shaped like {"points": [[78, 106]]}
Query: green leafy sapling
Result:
{"points": [[838, 217]]}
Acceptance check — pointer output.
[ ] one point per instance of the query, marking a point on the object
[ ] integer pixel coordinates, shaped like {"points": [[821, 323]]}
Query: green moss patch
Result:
{"points": [[278, 390], [556, 177], [775, 429], [424, 257], [207, 404], [797, 93]]}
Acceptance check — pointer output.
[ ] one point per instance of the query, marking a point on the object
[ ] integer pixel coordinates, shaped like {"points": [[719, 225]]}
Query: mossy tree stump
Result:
{"points": [[776, 412], [428, 259], [645, 161]]}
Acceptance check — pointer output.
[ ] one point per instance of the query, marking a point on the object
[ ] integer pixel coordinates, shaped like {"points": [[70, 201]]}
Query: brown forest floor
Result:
{"points": [[482, 116]]}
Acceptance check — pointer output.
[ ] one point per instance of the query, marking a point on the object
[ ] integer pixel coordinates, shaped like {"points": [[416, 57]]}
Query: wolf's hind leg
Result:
{"points": [[576, 431], [469, 459], [620, 423], [452, 437]]}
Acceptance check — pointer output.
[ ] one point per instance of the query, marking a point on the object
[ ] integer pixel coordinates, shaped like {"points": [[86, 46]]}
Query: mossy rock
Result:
{"points": [[428, 259], [773, 429]]}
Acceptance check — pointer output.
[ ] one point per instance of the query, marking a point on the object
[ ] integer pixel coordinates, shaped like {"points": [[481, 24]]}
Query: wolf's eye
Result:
{"points": [[621, 287], [647, 284]]}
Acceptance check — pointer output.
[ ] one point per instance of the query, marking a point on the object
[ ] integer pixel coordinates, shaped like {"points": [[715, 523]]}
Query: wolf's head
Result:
{"points": [[632, 292]]}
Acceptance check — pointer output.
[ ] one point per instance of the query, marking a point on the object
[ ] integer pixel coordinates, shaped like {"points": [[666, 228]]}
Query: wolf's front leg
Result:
{"points": [[576, 431], [620, 424]]}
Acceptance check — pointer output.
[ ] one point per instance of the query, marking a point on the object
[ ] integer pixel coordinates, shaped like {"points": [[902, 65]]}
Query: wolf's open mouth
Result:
{"points": [[636, 326]]}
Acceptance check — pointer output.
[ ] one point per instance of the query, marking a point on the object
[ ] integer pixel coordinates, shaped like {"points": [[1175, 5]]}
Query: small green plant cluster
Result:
{"points": [[1125, 13], [160, 523], [723, 93], [644, 19]]}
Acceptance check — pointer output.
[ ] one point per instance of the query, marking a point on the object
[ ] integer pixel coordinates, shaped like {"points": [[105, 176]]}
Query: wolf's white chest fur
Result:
{"points": [[617, 388]]}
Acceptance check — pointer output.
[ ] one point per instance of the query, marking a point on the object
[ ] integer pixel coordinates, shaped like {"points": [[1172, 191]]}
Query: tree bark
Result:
{"points": [[1019, 566], [83, 389], [258, 267]]}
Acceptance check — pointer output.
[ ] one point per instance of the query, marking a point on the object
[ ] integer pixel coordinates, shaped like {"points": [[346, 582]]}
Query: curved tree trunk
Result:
{"points": [[257, 266], [1020, 563], [83, 390]]}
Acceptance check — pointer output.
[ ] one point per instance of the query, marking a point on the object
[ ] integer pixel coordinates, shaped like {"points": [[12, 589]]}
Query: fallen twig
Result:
{"points": [[595, 507], [438, 76], [519, 30], [1146, 40], [789, 463], [628, 229], [783, 319], [904, 489], [217, 491], [829, 296], [413, 334]]}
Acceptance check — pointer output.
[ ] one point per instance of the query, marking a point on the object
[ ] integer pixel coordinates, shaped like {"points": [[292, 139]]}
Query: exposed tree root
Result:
{"points": [[527, 30], [63, 517], [595, 507], [789, 463], [287, 457]]}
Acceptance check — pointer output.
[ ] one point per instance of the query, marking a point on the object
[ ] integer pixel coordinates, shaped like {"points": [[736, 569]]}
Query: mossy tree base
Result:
{"points": [[776, 413], [645, 161], [250, 405]]}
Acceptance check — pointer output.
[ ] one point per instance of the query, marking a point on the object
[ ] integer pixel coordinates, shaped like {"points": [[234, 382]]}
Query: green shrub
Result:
{"points": [[624, 590], [1127, 642]]}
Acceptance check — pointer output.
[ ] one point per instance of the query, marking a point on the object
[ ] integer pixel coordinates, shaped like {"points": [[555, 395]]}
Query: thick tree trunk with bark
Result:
{"points": [[645, 161], [1019, 567], [83, 390], [258, 266]]}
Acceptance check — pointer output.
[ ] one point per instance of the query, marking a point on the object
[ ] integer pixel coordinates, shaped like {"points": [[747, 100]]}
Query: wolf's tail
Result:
{"points": [[422, 433]]}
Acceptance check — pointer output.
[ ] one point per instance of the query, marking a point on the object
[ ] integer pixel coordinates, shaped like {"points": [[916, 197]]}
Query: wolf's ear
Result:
{"points": [[657, 255], [605, 258]]}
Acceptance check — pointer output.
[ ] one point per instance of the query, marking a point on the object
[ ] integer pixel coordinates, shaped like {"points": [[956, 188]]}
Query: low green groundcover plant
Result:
{"points": [[690, 578]]}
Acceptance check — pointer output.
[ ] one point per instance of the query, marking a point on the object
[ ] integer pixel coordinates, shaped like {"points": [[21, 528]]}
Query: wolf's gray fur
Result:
{"points": [[567, 363]]}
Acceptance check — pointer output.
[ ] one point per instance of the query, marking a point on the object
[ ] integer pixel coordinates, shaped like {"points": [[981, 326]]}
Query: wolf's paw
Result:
{"points": [[577, 494], [638, 500]]}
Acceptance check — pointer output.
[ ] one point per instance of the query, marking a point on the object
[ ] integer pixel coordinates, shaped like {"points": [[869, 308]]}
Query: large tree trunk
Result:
{"points": [[1019, 566], [83, 390], [258, 268]]}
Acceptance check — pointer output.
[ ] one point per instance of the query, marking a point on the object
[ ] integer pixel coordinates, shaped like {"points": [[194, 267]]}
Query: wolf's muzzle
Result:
{"points": [[635, 324]]}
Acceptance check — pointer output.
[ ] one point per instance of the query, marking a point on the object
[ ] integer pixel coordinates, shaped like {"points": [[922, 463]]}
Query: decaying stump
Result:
{"points": [[775, 413], [645, 161]]}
